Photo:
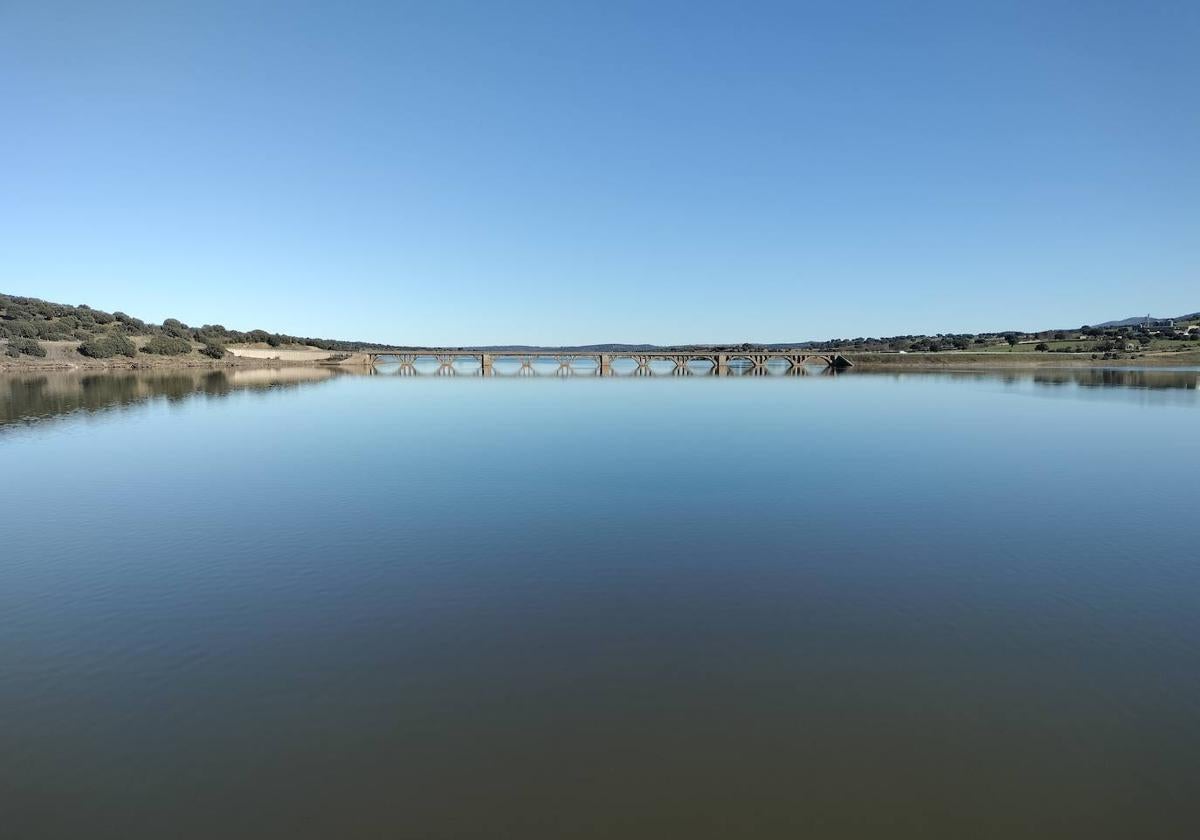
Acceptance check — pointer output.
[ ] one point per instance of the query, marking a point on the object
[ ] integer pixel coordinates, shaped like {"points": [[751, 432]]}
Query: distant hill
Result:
{"points": [[1144, 319], [27, 318], [629, 348], [574, 348], [1130, 322], [25, 321]]}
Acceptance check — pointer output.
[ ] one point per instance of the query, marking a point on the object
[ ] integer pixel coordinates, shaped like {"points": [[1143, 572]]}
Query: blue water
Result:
{"points": [[862, 605]]}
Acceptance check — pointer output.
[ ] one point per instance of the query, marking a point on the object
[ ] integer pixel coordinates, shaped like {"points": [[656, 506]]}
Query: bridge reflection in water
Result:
{"points": [[458, 363]]}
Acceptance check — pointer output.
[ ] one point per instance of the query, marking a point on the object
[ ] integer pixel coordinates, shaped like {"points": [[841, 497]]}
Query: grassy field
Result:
{"points": [[1019, 358], [1157, 345]]}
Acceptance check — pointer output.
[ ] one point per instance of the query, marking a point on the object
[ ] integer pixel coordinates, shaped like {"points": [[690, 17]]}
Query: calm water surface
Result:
{"points": [[303, 606]]}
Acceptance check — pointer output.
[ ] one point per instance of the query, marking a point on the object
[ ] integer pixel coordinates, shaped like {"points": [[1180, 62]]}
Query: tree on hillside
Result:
{"points": [[108, 345], [175, 328], [167, 345], [25, 347]]}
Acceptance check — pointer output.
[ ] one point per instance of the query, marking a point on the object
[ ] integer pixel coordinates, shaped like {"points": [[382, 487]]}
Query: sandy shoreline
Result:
{"points": [[63, 356]]}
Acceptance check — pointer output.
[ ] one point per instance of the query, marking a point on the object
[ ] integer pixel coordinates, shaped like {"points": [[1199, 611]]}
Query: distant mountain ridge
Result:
{"points": [[1130, 322], [1143, 319], [627, 348], [24, 321], [770, 345]]}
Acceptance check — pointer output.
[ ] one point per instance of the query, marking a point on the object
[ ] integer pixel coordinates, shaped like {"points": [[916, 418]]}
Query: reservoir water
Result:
{"points": [[291, 604]]}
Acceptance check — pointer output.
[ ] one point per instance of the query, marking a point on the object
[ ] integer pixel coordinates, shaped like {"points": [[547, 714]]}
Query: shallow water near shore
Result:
{"points": [[301, 604]]}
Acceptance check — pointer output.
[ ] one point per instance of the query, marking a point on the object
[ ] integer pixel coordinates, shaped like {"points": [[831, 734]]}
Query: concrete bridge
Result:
{"points": [[589, 363]]}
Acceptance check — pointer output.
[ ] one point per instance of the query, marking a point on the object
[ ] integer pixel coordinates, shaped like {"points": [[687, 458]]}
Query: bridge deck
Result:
{"points": [[614, 354], [721, 360]]}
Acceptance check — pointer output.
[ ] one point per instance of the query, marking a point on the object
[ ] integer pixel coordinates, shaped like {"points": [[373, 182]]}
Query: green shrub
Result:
{"points": [[175, 328], [213, 349], [108, 345], [131, 325], [166, 345], [22, 329], [25, 346]]}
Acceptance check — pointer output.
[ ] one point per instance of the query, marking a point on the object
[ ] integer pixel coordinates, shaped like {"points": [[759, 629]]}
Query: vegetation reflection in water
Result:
{"points": [[1157, 379], [31, 397], [28, 398]]}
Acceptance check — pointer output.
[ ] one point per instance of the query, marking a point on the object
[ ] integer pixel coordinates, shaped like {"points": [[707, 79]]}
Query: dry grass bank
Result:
{"points": [[65, 355], [978, 361]]}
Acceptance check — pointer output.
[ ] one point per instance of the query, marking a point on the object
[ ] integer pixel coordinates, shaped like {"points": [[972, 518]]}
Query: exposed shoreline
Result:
{"points": [[65, 358], [151, 364], [1031, 361]]}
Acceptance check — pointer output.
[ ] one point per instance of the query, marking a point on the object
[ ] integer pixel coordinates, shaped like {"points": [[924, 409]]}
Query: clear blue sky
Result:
{"points": [[566, 172]]}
